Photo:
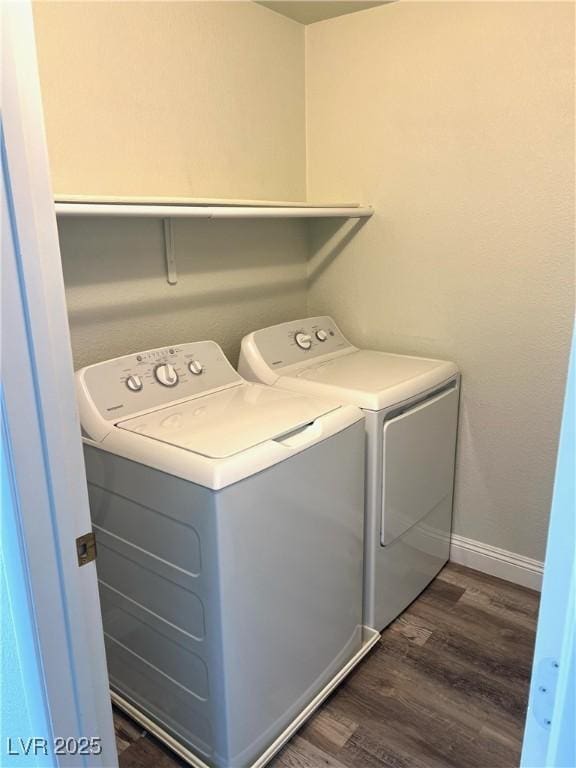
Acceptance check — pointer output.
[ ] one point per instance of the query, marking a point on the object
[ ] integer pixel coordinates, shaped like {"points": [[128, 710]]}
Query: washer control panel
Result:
{"points": [[299, 341], [155, 378]]}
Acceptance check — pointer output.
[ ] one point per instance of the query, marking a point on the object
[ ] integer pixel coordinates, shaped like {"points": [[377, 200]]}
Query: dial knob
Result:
{"points": [[321, 335], [304, 340], [134, 383], [166, 375], [195, 367]]}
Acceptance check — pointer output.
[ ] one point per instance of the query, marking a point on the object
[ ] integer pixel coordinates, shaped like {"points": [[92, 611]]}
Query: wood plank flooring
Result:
{"points": [[446, 687]]}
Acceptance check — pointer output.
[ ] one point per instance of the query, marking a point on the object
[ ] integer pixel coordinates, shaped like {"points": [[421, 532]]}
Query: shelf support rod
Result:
{"points": [[169, 252]]}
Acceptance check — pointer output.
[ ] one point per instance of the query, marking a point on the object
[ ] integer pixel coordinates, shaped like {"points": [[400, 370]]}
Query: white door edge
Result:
{"points": [[42, 418]]}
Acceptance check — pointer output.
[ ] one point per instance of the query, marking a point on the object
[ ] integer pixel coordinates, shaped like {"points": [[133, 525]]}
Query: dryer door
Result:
{"points": [[418, 462]]}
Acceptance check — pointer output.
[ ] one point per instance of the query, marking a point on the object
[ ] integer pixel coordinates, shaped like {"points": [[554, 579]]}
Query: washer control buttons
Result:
{"points": [[304, 340], [321, 335], [195, 367], [166, 375], [134, 383]]}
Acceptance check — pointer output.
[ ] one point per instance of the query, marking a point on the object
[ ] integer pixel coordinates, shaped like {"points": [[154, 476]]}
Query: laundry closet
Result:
{"points": [[392, 175]]}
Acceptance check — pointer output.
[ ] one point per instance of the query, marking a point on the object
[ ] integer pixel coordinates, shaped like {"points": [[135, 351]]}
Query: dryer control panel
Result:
{"points": [[298, 341], [155, 378]]}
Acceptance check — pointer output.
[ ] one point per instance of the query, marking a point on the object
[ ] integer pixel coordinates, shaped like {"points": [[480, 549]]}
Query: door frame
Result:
{"points": [[39, 411], [549, 731]]}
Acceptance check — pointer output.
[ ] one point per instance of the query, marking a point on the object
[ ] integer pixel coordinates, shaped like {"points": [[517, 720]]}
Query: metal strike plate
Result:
{"points": [[546, 676], [86, 548]]}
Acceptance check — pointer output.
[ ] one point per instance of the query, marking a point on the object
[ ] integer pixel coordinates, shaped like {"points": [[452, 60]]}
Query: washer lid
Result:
{"points": [[373, 380], [228, 422]]}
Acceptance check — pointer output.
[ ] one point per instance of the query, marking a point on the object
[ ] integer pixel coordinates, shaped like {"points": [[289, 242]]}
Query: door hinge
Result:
{"points": [[86, 548]]}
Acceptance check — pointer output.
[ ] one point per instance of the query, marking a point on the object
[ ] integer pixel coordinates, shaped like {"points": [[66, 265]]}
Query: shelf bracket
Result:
{"points": [[169, 253]]}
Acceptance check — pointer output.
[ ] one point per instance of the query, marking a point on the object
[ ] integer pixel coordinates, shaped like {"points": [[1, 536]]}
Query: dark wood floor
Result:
{"points": [[446, 687]]}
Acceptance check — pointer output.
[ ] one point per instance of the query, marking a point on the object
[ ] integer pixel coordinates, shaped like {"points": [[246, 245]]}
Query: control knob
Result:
{"points": [[304, 340], [166, 375], [321, 335], [134, 383], [195, 367]]}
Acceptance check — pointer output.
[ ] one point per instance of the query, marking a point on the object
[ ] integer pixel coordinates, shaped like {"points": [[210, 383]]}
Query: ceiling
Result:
{"points": [[309, 11]]}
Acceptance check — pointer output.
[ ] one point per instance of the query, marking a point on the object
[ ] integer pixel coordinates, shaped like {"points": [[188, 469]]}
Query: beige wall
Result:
{"points": [[200, 99], [233, 276], [456, 120]]}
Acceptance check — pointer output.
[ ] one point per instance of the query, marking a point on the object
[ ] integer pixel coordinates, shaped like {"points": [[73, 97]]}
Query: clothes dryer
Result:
{"points": [[410, 406]]}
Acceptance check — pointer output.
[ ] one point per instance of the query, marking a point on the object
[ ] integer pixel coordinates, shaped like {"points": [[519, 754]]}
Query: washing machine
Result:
{"points": [[229, 527], [410, 406]]}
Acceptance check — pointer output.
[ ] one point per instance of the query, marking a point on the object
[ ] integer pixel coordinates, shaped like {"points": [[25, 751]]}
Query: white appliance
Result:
{"points": [[410, 406], [229, 522]]}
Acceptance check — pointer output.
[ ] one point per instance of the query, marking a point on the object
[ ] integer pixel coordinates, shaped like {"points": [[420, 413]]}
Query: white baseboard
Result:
{"points": [[496, 562]]}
